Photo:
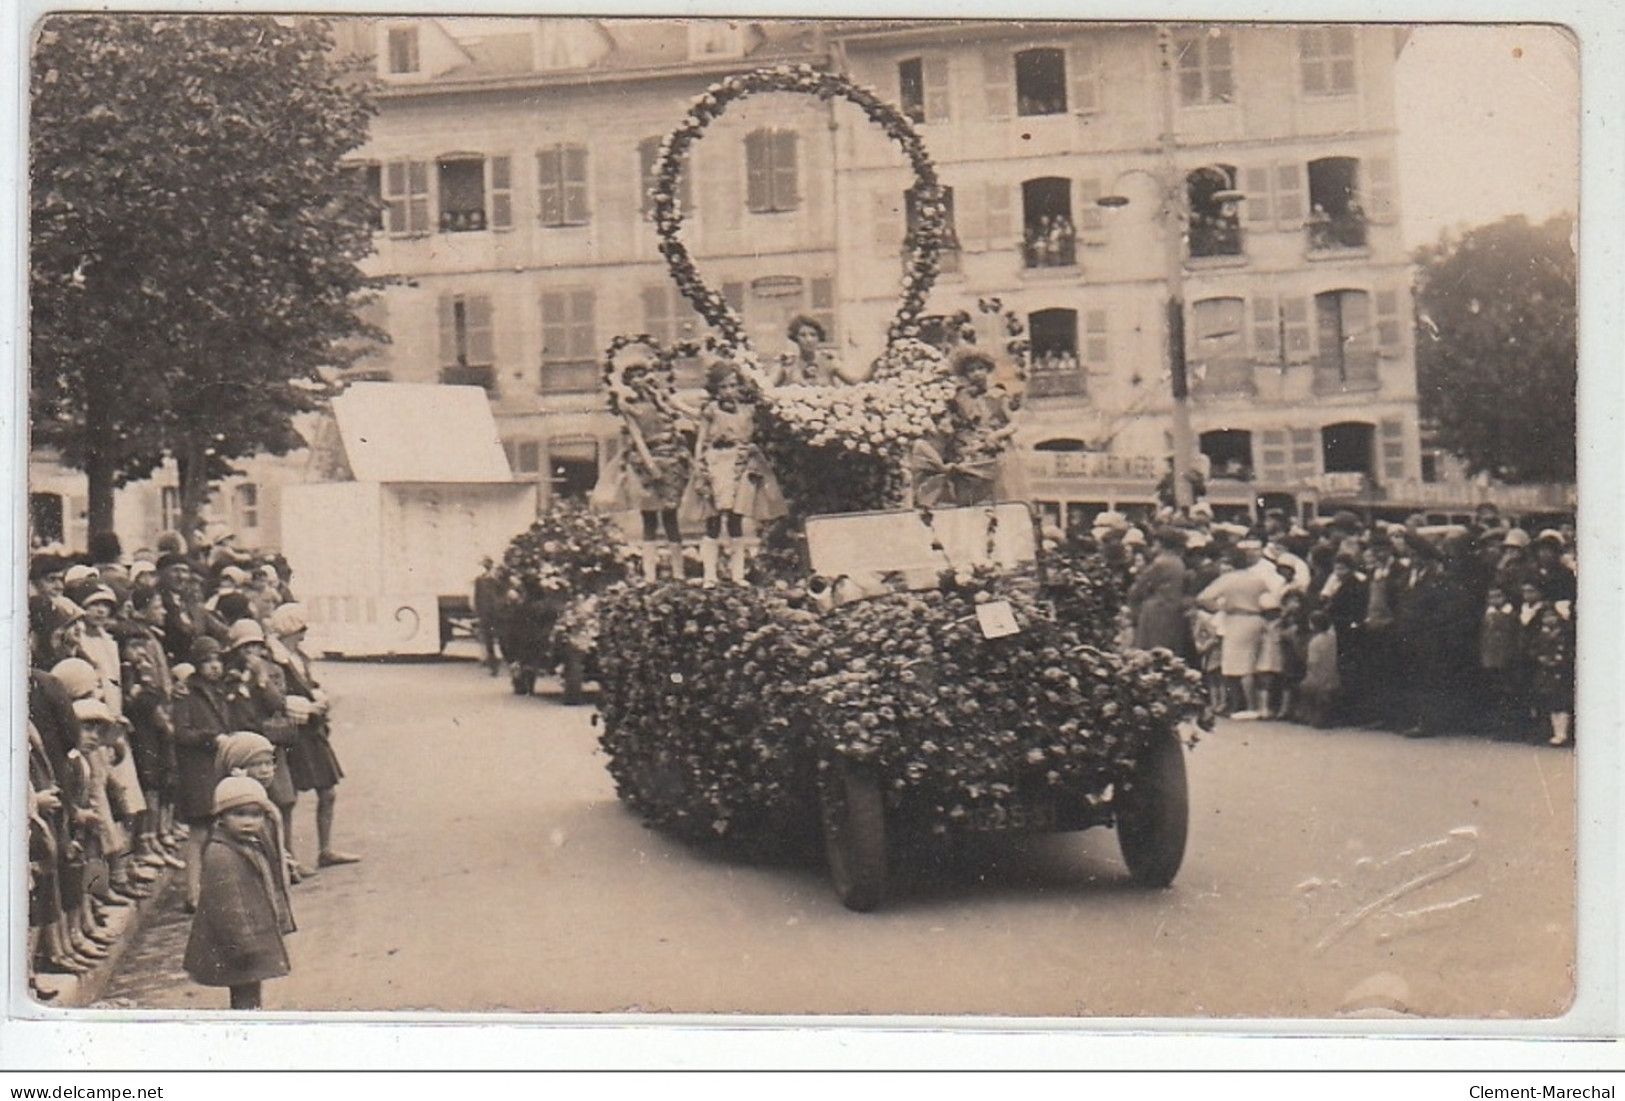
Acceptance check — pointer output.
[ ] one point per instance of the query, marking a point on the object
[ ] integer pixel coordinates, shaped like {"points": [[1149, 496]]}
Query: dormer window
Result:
{"points": [[403, 51], [715, 38]]}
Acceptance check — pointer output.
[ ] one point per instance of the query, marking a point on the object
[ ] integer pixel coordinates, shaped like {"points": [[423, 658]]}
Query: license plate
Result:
{"points": [[1016, 816]]}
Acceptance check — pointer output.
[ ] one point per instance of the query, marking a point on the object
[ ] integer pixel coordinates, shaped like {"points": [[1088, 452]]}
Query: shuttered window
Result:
{"points": [[561, 174], [770, 171], [406, 198], [1392, 434], [569, 341], [466, 335]]}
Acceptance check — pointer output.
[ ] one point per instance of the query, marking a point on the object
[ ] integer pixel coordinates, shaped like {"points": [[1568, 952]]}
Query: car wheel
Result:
{"points": [[1153, 813], [854, 818]]}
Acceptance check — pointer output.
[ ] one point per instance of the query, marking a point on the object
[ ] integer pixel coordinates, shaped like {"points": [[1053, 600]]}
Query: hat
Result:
{"points": [[233, 605], [1551, 535], [205, 649], [1271, 552], [80, 572], [244, 632], [92, 710], [67, 611], [1516, 537], [172, 559], [1111, 520], [239, 791], [1249, 544], [140, 567], [42, 566], [1196, 540], [234, 751], [1134, 537], [101, 594], [1202, 508], [77, 675], [288, 618], [235, 574], [182, 671]]}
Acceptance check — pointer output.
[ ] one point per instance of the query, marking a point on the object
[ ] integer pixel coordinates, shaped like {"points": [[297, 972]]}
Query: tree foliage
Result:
{"points": [[194, 240], [1496, 351]]}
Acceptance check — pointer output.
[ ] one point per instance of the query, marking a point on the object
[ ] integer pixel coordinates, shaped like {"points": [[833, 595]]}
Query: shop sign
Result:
{"points": [[1096, 464], [776, 286], [1343, 482]]}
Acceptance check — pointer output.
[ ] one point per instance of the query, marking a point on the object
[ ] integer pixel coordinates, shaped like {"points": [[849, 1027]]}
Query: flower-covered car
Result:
{"points": [[954, 692], [554, 572]]}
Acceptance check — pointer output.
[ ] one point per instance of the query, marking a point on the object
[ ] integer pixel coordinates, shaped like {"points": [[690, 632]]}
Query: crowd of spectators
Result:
{"points": [[141, 669], [1417, 629]]}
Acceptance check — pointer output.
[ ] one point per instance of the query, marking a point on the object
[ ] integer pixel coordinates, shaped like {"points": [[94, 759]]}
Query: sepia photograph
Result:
{"points": [[1044, 521]]}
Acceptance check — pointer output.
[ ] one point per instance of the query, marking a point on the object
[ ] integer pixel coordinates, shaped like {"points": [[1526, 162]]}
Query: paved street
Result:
{"points": [[1327, 872]]}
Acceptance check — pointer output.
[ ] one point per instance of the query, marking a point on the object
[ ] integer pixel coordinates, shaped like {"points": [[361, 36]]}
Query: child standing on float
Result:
{"points": [[732, 478], [653, 467]]}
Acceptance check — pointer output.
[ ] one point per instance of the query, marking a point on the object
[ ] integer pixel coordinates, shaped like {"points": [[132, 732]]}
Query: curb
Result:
{"points": [[79, 991]]}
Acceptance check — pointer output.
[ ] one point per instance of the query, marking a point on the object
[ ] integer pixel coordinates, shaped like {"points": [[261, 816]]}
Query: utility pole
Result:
{"points": [[1175, 220]]}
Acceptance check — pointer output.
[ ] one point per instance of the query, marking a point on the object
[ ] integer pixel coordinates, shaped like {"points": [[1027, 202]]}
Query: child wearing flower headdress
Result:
{"points": [[732, 478], [654, 464], [961, 466]]}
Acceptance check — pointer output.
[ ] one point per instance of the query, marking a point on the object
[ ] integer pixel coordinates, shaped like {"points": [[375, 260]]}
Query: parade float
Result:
{"points": [[911, 657]]}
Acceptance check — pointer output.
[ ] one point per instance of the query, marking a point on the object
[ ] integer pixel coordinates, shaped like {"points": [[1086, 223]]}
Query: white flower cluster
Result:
{"points": [[881, 417]]}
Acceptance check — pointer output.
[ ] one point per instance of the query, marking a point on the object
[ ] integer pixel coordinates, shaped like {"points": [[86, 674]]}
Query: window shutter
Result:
{"points": [[1390, 325], [1378, 188], [656, 315], [998, 225], [1357, 334], [477, 315], [576, 211], [724, 206], [1304, 454], [785, 189], [550, 196], [1090, 216], [888, 226], [822, 298], [1259, 209], [1083, 67], [448, 331], [1273, 455], [999, 79], [583, 338], [758, 177], [501, 193], [1096, 339], [734, 295], [395, 197], [1289, 207], [1295, 328], [417, 179], [938, 92], [555, 327], [1266, 330], [1393, 450], [970, 218]]}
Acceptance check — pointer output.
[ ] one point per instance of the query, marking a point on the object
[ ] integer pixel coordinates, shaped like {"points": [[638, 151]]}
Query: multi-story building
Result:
{"points": [[513, 158], [1253, 175]]}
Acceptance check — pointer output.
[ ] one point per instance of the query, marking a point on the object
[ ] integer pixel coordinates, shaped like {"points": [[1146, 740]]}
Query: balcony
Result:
{"points": [[1335, 234], [1057, 384], [484, 376], [570, 377]]}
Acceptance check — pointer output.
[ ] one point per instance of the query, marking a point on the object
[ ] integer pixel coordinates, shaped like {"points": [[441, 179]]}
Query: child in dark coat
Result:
{"points": [[242, 912]]}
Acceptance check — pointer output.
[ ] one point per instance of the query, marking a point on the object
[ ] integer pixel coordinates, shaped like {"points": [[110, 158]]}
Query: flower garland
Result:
{"points": [[925, 243]]}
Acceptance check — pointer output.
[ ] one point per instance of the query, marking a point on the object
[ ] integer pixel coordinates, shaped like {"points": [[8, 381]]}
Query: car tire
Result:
{"points": [[1153, 813], [854, 820]]}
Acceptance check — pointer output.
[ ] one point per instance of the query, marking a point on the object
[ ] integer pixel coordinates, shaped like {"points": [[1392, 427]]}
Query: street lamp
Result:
{"points": [[1175, 217]]}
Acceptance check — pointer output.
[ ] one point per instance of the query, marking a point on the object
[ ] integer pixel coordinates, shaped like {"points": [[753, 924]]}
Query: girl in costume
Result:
{"points": [[732, 478]]}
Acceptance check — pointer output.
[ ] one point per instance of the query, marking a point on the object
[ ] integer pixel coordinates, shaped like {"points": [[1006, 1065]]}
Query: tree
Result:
{"points": [[1496, 337], [195, 236]]}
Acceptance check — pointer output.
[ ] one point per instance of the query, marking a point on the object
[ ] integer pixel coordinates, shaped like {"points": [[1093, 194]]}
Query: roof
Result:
{"points": [[411, 432]]}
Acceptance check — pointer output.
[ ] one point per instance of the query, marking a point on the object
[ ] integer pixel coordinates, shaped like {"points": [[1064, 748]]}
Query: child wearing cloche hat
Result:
{"points": [[242, 910]]}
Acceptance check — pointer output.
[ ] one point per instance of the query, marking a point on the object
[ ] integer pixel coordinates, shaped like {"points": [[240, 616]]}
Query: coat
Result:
{"points": [[257, 701], [242, 915], [312, 764], [1157, 599], [201, 715]]}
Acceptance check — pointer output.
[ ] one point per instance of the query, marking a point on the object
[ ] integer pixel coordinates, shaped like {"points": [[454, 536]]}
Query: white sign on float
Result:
{"points": [[864, 550]]}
